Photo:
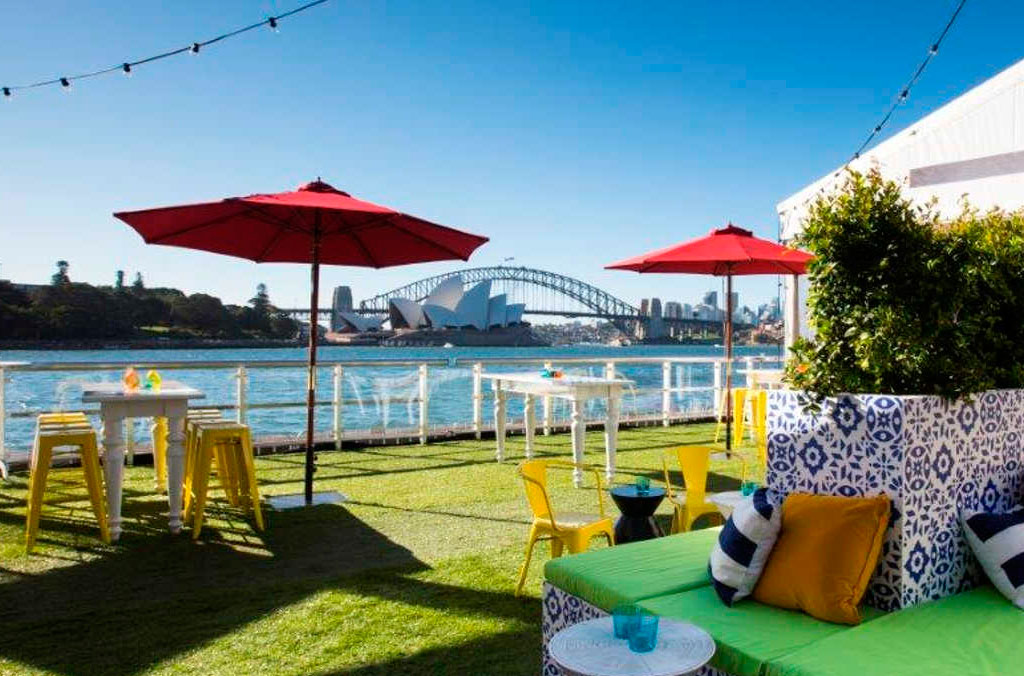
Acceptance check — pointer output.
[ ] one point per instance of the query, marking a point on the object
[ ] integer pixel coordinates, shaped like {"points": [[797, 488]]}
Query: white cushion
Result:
{"points": [[998, 542], [746, 540]]}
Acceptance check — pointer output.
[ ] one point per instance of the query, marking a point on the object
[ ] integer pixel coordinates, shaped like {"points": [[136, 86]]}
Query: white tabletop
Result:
{"points": [[590, 648], [726, 501], [107, 391], [536, 378]]}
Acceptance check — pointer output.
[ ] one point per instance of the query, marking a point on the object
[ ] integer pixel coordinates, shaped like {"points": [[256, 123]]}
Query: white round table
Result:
{"points": [[591, 649], [726, 501]]}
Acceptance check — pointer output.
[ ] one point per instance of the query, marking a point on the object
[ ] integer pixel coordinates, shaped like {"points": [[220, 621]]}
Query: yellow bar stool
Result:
{"points": [[159, 431], [220, 462], [236, 462], [51, 435], [739, 405], [759, 404]]}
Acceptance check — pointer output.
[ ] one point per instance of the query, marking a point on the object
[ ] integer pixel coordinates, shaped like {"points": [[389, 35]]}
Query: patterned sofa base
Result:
{"points": [[560, 610]]}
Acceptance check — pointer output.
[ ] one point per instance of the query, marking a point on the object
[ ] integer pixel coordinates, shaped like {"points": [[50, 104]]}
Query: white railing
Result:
{"points": [[422, 370]]}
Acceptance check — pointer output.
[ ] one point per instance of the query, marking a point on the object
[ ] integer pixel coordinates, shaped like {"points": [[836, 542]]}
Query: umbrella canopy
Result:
{"points": [[314, 224], [724, 252]]}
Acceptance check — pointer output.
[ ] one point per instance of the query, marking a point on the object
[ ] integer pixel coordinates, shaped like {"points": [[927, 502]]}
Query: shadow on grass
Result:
{"points": [[157, 596]]}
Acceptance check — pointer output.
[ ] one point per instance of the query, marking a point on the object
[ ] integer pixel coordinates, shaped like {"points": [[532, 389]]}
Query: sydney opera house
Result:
{"points": [[447, 307]]}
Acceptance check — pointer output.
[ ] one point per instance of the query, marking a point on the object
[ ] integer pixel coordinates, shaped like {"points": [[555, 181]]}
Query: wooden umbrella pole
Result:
{"points": [[314, 302], [728, 361]]}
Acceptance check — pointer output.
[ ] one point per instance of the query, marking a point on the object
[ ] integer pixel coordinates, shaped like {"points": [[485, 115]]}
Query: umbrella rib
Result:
{"points": [[273, 240], [194, 227], [365, 250], [430, 242]]}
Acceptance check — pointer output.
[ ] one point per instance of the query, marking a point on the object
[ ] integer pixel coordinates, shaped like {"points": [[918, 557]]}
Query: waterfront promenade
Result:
{"points": [[414, 575]]}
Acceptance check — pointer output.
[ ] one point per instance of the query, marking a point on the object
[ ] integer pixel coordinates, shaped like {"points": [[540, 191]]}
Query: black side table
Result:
{"points": [[637, 520]]}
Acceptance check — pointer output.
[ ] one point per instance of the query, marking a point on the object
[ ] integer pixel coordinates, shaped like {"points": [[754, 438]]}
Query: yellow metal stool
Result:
{"points": [[50, 434], [159, 431], [220, 462], [232, 442], [739, 406]]}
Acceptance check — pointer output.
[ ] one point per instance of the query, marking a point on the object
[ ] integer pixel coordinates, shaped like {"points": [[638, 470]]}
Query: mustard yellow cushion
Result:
{"points": [[826, 552]]}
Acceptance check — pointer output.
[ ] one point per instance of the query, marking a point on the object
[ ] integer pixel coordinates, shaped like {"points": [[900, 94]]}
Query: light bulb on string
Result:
{"points": [[272, 22], [127, 68], [194, 49], [65, 84], [7, 93]]}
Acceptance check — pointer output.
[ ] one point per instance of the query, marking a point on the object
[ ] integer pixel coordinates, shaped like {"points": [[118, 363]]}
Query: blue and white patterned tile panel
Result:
{"points": [[560, 610], [931, 457], [853, 446]]}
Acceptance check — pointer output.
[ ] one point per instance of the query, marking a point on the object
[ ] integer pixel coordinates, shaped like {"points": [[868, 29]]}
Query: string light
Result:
{"points": [[127, 67], [902, 98]]}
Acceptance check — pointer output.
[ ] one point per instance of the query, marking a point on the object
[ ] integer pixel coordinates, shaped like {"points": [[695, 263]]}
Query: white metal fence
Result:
{"points": [[666, 390]]}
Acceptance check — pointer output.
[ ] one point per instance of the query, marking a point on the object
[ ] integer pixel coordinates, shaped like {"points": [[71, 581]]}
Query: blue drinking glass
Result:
{"points": [[748, 488], [643, 485], [643, 634], [623, 617]]}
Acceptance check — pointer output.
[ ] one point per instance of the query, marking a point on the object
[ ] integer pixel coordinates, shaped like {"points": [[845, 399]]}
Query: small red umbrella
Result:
{"points": [[314, 224], [724, 252]]}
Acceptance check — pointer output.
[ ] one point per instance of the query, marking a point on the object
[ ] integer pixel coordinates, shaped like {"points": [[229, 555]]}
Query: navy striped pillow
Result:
{"points": [[744, 544], [998, 542]]}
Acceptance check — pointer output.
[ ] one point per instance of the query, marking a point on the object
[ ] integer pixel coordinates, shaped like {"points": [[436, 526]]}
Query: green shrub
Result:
{"points": [[902, 303]]}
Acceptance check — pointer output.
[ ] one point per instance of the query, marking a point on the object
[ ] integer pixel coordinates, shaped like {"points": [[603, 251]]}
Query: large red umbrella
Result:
{"points": [[724, 252], [314, 224]]}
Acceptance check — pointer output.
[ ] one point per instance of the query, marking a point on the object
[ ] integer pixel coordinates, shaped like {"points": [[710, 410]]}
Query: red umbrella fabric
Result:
{"points": [[314, 224], [724, 252]]}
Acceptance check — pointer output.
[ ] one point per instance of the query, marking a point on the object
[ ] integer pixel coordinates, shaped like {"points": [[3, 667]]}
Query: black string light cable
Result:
{"points": [[905, 92], [127, 67]]}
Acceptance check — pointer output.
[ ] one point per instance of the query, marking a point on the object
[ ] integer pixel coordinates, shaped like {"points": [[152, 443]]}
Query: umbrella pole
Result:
{"points": [[728, 362], [314, 303]]}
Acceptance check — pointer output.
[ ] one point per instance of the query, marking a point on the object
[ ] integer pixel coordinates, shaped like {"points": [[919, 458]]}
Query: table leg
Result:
{"points": [[175, 468], [578, 429], [611, 437], [499, 421], [529, 423], [113, 471]]}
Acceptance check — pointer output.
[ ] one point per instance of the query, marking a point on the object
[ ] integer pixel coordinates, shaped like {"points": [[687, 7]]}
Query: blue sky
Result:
{"points": [[570, 133]]}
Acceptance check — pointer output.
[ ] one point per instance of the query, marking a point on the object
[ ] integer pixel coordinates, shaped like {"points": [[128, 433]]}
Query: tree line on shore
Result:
{"points": [[66, 310]]}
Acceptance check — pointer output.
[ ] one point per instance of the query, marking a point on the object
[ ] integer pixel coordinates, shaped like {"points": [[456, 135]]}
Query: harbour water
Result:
{"points": [[376, 396]]}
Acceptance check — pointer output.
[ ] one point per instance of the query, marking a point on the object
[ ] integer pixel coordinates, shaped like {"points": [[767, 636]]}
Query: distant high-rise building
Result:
{"points": [[645, 308], [673, 310], [656, 308], [735, 300], [710, 299], [341, 302]]}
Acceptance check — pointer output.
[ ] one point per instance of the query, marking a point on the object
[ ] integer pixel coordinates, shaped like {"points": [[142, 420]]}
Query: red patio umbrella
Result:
{"points": [[314, 224], [724, 252]]}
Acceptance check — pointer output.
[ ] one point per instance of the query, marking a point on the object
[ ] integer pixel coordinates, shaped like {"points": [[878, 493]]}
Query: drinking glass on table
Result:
{"points": [[643, 634]]}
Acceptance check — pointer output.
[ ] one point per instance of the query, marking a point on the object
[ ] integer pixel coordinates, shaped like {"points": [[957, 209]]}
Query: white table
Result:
{"points": [[577, 390], [116, 405], [591, 649], [726, 501]]}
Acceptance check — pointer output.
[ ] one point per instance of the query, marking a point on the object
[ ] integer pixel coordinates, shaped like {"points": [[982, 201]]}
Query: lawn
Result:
{"points": [[414, 575]]}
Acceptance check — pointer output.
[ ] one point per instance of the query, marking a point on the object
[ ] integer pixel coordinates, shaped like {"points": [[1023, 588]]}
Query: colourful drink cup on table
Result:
{"points": [[643, 633]]}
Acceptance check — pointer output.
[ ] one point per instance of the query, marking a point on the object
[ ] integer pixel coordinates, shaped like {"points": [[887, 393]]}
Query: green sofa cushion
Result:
{"points": [[976, 632], [749, 634], [639, 570]]}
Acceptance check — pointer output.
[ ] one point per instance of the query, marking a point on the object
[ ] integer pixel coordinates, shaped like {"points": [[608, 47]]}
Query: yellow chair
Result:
{"points": [[51, 434], [232, 444], [159, 431], [739, 405], [572, 530], [759, 413], [691, 503]]}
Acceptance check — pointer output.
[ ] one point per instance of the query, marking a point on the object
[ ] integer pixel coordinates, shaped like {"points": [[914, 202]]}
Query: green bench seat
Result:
{"points": [[975, 633], [636, 571], [750, 635]]}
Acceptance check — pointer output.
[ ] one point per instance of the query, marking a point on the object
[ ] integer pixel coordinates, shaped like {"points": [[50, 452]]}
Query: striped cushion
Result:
{"points": [[744, 544], [998, 542]]}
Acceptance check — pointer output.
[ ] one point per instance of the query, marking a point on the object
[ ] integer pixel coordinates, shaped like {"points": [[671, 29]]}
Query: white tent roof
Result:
{"points": [[973, 146]]}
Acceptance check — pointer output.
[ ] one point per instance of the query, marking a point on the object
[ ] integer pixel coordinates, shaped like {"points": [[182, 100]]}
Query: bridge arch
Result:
{"points": [[597, 302]]}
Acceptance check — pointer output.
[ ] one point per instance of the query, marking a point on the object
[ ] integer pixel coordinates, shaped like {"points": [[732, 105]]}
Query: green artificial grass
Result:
{"points": [[414, 575]]}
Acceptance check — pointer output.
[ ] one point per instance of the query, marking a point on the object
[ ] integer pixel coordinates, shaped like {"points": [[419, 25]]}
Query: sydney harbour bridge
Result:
{"points": [[543, 292]]}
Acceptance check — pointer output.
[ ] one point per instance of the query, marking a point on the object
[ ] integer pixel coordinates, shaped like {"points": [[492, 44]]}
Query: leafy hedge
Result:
{"points": [[903, 303]]}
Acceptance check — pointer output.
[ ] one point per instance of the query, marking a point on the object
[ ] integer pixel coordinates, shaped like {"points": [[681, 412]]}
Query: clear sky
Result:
{"points": [[571, 133]]}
